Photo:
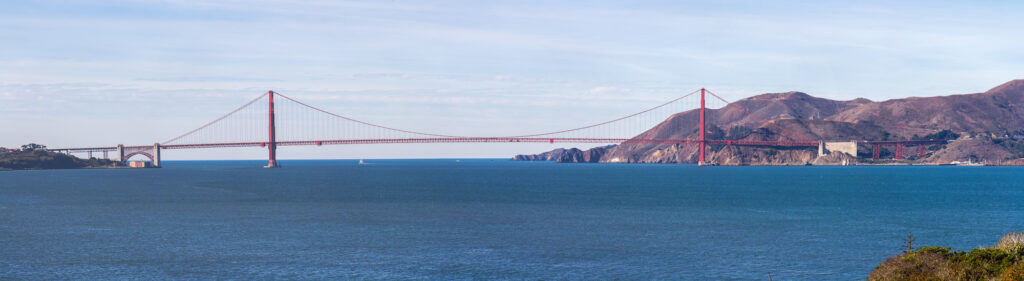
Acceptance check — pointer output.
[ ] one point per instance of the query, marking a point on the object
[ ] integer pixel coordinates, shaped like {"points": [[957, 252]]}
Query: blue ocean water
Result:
{"points": [[490, 219]]}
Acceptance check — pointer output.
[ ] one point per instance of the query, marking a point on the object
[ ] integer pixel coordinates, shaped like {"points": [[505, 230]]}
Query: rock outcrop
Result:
{"points": [[552, 155], [592, 155]]}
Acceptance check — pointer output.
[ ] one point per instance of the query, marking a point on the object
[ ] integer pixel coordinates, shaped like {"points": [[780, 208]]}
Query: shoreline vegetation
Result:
{"points": [[36, 157], [1002, 262]]}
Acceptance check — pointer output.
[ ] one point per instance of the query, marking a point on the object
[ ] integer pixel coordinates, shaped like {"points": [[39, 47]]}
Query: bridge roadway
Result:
{"points": [[445, 140], [152, 151], [492, 140]]}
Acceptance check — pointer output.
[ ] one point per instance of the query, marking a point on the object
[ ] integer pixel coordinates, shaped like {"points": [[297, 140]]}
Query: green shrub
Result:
{"points": [[992, 260], [935, 249], [912, 266]]}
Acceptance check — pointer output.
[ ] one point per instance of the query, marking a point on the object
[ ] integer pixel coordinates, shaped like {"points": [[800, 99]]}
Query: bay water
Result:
{"points": [[491, 219]]}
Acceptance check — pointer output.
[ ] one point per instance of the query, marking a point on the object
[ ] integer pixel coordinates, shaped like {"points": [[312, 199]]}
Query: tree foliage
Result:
{"points": [[33, 146]]}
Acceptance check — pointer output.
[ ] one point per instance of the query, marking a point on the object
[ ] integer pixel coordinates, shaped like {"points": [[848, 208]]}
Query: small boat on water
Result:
{"points": [[361, 162]]}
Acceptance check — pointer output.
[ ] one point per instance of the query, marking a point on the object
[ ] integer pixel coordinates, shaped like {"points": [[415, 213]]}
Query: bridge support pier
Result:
{"points": [[899, 148], [156, 155], [120, 153]]}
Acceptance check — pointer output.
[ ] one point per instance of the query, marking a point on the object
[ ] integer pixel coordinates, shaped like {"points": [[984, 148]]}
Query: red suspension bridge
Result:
{"points": [[290, 122]]}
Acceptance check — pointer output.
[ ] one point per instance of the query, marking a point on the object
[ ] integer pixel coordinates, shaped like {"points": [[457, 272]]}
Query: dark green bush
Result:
{"points": [[992, 260]]}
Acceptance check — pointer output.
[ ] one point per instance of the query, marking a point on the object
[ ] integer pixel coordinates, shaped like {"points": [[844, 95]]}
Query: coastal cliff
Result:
{"points": [[572, 155]]}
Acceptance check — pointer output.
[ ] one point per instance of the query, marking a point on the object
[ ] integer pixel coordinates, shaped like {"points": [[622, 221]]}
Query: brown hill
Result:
{"points": [[789, 105], [776, 107], [998, 110], [994, 118]]}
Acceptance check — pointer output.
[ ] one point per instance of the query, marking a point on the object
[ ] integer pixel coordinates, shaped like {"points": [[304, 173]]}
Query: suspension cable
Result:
{"points": [[216, 120]]}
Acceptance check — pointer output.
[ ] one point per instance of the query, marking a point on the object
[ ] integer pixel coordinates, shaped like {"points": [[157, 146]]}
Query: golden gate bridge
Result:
{"points": [[290, 122]]}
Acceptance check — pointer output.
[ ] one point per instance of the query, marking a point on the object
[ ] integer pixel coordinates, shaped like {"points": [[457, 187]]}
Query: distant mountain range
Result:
{"points": [[990, 126]]}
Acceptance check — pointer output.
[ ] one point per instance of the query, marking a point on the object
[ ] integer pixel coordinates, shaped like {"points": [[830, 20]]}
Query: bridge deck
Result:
{"points": [[495, 140], [451, 140]]}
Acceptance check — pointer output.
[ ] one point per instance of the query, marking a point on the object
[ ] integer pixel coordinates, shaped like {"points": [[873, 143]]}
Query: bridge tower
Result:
{"points": [[703, 140], [271, 142]]}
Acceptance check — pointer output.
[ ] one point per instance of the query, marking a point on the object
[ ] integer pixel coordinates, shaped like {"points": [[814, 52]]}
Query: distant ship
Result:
{"points": [[361, 162]]}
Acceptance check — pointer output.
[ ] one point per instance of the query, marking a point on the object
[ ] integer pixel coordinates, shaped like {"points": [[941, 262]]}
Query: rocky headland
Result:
{"points": [[42, 159]]}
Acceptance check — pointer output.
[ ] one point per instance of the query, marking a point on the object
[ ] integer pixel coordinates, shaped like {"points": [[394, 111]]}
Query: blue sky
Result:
{"points": [[78, 73]]}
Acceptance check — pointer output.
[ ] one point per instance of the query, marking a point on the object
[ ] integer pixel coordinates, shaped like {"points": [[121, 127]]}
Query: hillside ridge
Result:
{"points": [[991, 121]]}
